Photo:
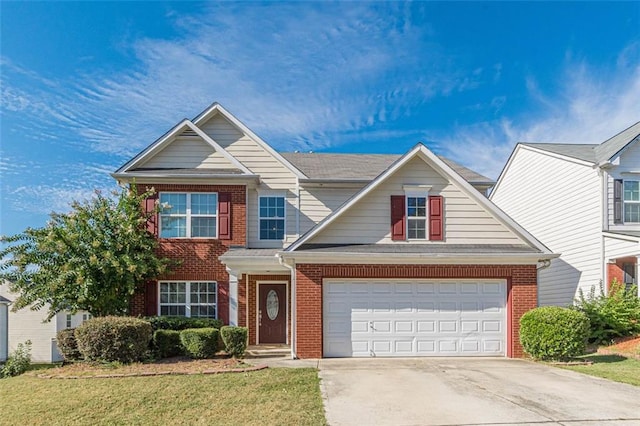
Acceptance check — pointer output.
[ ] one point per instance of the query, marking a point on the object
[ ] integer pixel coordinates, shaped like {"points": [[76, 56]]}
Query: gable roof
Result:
{"points": [[584, 152], [610, 148], [362, 167], [444, 169], [166, 139]]}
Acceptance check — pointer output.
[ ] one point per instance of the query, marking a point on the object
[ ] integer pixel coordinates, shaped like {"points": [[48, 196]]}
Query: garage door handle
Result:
{"points": [[371, 325]]}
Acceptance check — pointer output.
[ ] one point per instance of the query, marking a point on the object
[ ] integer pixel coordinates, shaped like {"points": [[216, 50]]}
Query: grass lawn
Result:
{"points": [[273, 396], [612, 367]]}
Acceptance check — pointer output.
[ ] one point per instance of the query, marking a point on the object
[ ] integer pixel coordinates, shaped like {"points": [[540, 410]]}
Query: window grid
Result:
{"points": [[189, 299], [188, 215], [631, 197], [416, 217], [272, 217]]}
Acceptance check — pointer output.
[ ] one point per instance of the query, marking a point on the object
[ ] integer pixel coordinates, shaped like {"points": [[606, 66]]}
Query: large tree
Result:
{"points": [[93, 258]]}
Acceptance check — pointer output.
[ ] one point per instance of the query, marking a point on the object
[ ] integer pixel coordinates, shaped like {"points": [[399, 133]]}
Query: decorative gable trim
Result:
{"points": [[169, 137], [215, 107], [444, 170]]}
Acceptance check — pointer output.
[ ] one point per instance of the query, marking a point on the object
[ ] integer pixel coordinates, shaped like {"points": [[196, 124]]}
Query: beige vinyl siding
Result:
{"points": [[558, 202], [465, 221], [318, 203], [273, 176], [629, 161], [618, 247], [189, 152]]}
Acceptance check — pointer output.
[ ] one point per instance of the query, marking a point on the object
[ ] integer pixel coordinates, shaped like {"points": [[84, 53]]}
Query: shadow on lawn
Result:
{"points": [[604, 359]]}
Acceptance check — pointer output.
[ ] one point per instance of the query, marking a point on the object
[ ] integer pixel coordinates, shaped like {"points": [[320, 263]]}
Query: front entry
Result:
{"points": [[272, 313]]}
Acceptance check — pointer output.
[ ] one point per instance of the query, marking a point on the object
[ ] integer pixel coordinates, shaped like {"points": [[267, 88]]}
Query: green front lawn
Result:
{"points": [[612, 367], [273, 396]]}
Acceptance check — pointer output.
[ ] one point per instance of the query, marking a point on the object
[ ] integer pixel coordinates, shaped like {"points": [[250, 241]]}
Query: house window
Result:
{"points": [[189, 299], [272, 213], [188, 215], [68, 324], [631, 194], [416, 217]]}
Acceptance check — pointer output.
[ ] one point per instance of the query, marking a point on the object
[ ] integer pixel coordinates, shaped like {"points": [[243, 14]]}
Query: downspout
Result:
{"points": [[543, 264], [298, 210], [604, 218], [292, 268]]}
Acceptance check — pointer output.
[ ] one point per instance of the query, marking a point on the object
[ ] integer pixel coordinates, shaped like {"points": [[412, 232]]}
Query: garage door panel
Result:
{"points": [[393, 318]]}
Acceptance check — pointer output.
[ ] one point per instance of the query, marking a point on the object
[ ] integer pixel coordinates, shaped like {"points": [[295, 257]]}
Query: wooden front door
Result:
{"points": [[272, 313]]}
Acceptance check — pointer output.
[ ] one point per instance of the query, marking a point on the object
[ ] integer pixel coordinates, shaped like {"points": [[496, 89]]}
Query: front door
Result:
{"points": [[272, 313]]}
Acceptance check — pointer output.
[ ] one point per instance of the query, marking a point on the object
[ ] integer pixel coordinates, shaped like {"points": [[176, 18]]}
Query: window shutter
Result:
{"points": [[617, 201], [149, 205], [398, 218], [435, 218], [151, 298], [224, 216]]}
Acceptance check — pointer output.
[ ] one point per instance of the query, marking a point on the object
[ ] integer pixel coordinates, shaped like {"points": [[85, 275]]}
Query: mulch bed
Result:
{"points": [[628, 347], [164, 367]]}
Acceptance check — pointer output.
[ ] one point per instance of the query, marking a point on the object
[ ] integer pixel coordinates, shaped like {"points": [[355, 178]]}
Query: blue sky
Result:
{"points": [[86, 85]]}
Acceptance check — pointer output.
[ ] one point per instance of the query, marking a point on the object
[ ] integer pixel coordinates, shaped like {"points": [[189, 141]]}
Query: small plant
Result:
{"points": [[109, 339], [182, 323], [68, 345], [200, 342], [612, 315], [18, 362], [166, 343], [235, 340], [554, 333]]}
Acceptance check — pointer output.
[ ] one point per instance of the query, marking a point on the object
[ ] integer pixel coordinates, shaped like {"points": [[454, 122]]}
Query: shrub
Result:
{"points": [[613, 315], [68, 345], [18, 362], [109, 339], [166, 343], [554, 333], [235, 340], [200, 342], [182, 323]]}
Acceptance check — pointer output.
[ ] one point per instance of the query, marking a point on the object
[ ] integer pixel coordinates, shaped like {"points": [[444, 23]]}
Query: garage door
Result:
{"points": [[414, 318]]}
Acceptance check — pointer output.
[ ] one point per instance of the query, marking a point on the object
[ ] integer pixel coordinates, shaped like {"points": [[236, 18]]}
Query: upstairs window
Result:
{"points": [[631, 198], [416, 217], [188, 215], [272, 216]]}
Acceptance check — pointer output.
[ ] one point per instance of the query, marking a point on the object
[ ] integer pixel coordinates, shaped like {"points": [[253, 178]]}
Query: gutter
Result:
{"points": [[292, 268]]}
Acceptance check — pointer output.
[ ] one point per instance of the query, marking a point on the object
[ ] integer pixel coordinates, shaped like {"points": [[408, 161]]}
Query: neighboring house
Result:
{"points": [[26, 324], [582, 201], [335, 255]]}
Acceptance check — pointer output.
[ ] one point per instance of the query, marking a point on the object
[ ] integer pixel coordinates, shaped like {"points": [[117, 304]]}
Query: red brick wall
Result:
{"points": [[198, 257], [615, 271], [520, 278], [251, 302]]}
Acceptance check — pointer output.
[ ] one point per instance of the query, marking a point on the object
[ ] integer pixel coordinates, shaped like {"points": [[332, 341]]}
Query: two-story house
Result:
{"points": [[334, 255], [580, 200]]}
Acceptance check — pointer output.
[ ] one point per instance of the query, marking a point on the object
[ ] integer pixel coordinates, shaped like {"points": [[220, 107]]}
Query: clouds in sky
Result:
{"points": [[311, 78]]}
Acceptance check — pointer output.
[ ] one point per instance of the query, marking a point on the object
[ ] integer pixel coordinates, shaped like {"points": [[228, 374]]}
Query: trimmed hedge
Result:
{"points": [[235, 340], [68, 345], [109, 339], [200, 342], [182, 323], [166, 343], [554, 333]]}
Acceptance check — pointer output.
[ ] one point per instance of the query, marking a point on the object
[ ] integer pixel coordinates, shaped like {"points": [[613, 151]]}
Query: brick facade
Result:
{"points": [[198, 257], [615, 271], [521, 283]]}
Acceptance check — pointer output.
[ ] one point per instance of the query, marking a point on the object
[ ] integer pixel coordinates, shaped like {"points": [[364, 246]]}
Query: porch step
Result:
{"points": [[268, 351]]}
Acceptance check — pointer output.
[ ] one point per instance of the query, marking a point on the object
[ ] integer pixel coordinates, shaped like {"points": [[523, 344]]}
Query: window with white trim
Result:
{"points": [[631, 199], [272, 217], [68, 321], [189, 299], [188, 215]]}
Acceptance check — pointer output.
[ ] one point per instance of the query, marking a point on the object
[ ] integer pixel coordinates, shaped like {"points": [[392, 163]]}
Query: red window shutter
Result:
{"points": [[152, 220], [151, 298], [224, 216], [435, 218], [398, 218], [617, 201]]}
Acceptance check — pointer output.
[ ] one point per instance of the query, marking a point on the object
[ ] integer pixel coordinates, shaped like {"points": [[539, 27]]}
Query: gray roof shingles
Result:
{"points": [[585, 152]]}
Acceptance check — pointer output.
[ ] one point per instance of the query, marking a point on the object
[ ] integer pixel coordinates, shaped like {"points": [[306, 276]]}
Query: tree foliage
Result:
{"points": [[92, 258]]}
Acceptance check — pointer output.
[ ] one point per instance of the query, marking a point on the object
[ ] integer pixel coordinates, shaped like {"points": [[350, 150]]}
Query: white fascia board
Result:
{"points": [[255, 264], [416, 258], [621, 237], [484, 201], [194, 178], [216, 107], [616, 157], [218, 148], [504, 170]]}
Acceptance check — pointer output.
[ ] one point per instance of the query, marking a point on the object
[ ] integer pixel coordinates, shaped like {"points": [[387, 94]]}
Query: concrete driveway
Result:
{"points": [[470, 391]]}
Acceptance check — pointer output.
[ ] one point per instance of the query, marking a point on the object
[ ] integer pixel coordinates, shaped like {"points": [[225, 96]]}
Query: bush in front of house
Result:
{"points": [[235, 340], [182, 323], [166, 343], [616, 314], [200, 342], [68, 345], [554, 333], [18, 362], [109, 339]]}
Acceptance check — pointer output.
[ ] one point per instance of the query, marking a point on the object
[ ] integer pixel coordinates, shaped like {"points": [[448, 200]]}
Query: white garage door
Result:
{"points": [[414, 318]]}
